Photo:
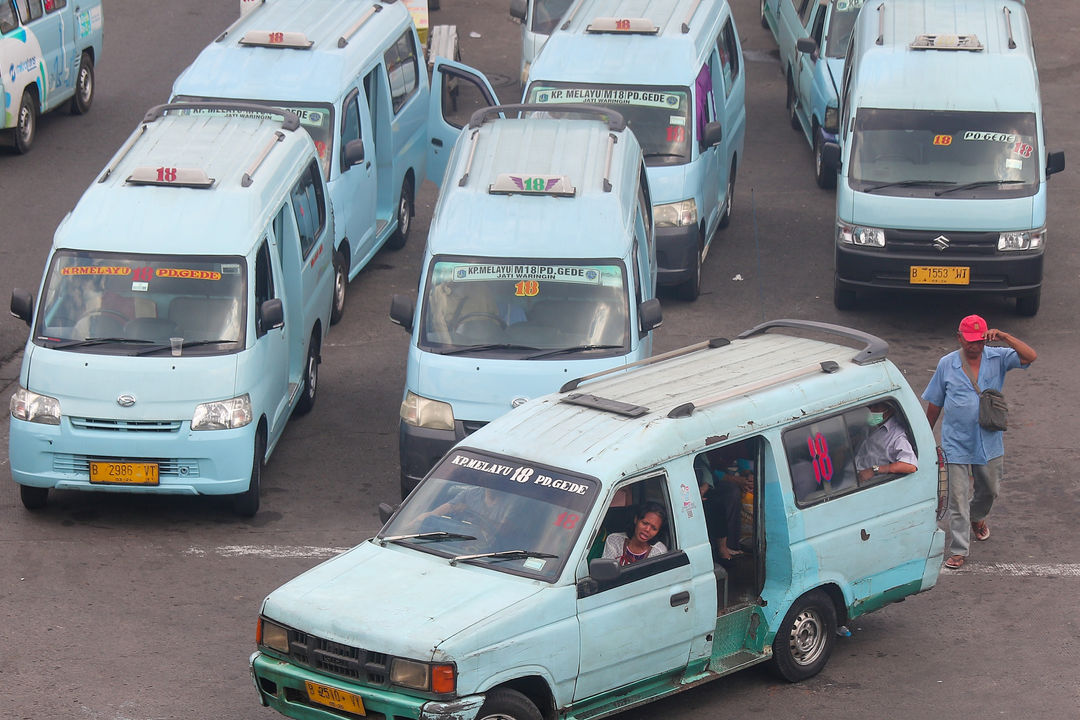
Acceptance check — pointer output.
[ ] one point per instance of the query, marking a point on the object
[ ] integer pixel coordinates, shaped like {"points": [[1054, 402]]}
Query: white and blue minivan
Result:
{"points": [[353, 72], [538, 19], [539, 267], [942, 185], [813, 38], [180, 318], [48, 49]]}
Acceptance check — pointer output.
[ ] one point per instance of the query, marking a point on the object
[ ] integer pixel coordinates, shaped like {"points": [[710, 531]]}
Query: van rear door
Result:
{"points": [[457, 91]]}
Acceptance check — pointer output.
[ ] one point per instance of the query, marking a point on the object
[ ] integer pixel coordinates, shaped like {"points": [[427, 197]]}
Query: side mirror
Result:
{"points": [[354, 153], [713, 134], [604, 569], [401, 311], [1055, 162], [385, 511], [808, 46], [271, 314], [830, 156], [650, 316], [22, 305], [519, 9]]}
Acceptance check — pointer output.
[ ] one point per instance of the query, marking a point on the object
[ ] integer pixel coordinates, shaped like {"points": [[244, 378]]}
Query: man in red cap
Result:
{"points": [[974, 454]]}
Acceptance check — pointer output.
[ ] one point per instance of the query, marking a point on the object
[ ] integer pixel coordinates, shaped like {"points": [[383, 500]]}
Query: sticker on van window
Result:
{"points": [[819, 455], [943, 139], [609, 96], [526, 288], [1014, 164], [1023, 149], [848, 5], [676, 133], [95, 270], [523, 474], [676, 120], [991, 136], [187, 274], [561, 273]]}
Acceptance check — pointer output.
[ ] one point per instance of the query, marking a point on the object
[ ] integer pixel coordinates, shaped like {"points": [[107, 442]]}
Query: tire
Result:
{"points": [[506, 704], [764, 20], [25, 124], [246, 504], [404, 217], [311, 377], [1028, 305], [84, 86], [843, 298], [729, 198], [805, 639], [33, 498], [341, 284], [793, 115], [689, 290], [825, 179]]}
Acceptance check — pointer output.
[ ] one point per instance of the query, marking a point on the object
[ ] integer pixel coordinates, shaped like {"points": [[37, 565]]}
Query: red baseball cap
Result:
{"points": [[973, 328]]}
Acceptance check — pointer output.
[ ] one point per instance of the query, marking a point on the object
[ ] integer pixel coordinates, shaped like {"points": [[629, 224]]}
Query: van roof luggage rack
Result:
{"points": [[690, 16], [355, 27], [225, 33], [679, 352], [874, 350], [945, 41]]}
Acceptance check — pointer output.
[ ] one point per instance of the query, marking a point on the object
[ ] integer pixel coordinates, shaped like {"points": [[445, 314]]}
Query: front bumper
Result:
{"points": [[676, 248], [420, 448]]}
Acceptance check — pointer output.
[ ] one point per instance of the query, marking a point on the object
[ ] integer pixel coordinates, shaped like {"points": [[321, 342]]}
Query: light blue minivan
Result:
{"points": [[538, 19], [354, 73], [180, 318], [539, 267]]}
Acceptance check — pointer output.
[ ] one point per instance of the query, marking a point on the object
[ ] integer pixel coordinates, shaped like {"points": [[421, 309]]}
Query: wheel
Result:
{"points": [[1028, 305], [805, 639], [404, 217], [341, 283], [690, 289], [33, 498], [84, 86], [506, 704], [729, 198], [843, 298], [764, 19], [825, 178], [311, 377], [247, 502], [792, 102], [100, 323], [26, 123]]}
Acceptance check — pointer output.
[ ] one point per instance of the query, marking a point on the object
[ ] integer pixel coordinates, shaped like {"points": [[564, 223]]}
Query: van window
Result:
{"points": [[804, 7], [841, 23], [629, 501], [824, 455], [8, 22], [264, 282], [401, 67], [54, 5], [729, 56], [350, 122], [309, 207], [29, 9]]}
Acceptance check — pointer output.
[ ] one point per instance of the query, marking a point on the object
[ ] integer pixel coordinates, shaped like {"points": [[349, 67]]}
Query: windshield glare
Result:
{"points": [[659, 116], [997, 150], [530, 304], [841, 21], [142, 300], [503, 504]]}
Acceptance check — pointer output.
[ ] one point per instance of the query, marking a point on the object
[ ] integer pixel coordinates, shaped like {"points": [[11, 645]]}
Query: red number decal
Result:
{"points": [[1023, 149], [622, 24], [527, 288], [320, 147], [276, 37], [567, 521], [943, 139], [819, 452], [676, 133], [165, 174], [142, 274]]}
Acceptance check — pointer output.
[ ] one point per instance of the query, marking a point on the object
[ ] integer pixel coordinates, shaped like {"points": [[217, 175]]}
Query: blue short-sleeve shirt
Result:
{"points": [[962, 439]]}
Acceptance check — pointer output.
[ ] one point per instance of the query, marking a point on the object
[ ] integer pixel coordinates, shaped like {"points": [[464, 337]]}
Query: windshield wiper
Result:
{"points": [[437, 535], [194, 343], [980, 183], [663, 154], [91, 342], [489, 346], [907, 183], [503, 555], [575, 348]]}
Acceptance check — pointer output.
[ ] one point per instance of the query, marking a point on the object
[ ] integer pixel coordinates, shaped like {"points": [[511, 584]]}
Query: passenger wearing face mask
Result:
{"points": [[886, 449]]}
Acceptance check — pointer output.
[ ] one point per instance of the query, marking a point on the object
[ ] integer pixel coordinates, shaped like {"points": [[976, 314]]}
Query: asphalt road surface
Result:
{"points": [[115, 607]]}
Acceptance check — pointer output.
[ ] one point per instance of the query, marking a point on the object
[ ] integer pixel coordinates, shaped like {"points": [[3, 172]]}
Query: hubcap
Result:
{"points": [[339, 287], [26, 123], [807, 637], [403, 215], [312, 375], [85, 85]]}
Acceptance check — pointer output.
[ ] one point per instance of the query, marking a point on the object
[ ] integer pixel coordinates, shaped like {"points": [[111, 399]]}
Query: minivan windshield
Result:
{"points": [[119, 304], [525, 308], [944, 153], [659, 116], [511, 515], [841, 22]]}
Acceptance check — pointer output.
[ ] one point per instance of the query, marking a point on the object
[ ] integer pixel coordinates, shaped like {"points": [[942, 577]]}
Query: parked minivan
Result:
{"points": [[539, 267], [538, 19], [180, 317], [353, 72], [47, 54], [942, 185], [497, 597]]}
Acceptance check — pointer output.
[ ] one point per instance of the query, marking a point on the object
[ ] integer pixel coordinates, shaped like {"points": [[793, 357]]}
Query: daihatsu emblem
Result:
{"points": [[518, 401], [940, 243], [125, 400]]}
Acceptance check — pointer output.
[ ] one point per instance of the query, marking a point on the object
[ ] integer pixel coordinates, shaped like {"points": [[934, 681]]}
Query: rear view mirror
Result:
{"points": [[271, 314], [650, 316], [354, 153], [401, 311], [1055, 162], [518, 9], [830, 156], [712, 135], [22, 305], [808, 46], [604, 569]]}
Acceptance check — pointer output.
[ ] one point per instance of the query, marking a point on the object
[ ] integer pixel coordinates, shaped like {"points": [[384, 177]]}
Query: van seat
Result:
{"points": [[202, 318]]}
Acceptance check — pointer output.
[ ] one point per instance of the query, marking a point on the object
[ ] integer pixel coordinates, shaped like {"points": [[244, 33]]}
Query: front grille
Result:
{"points": [[156, 426], [334, 658], [179, 468], [921, 242]]}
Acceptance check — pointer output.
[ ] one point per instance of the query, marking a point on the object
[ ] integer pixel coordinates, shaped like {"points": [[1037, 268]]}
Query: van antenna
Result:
{"points": [[757, 249], [690, 16], [570, 17]]}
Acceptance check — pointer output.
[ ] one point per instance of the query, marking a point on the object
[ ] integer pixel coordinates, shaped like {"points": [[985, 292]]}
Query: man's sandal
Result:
{"points": [[980, 530], [955, 562]]}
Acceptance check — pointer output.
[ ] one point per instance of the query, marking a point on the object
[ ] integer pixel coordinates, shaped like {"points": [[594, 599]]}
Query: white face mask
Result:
{"points": [[875, 419]]}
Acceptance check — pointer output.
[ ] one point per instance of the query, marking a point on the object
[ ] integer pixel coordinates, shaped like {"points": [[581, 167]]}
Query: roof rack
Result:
{"points": [[690, 16], [237, 21], [880, 25], [570, 17], [249, 175], [347, 35], [945, 41], [613, 118], [622, 26], [1008, 26], [276, 39], [687, 409], [874, 350], [705, 345]]}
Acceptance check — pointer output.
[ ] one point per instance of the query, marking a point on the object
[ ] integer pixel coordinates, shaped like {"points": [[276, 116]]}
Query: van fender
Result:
{"points": [[465, 708]]}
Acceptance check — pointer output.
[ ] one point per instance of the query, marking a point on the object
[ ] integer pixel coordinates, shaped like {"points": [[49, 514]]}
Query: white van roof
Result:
{"points": [[983, 45], [687, 399], [655, 42], [319, 47], [586, 172], [190, 183]]}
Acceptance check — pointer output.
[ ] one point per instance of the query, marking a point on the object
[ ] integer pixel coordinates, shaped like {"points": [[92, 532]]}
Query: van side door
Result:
{"points": [[51, 25], [730, 110], [456, 92], [354, 187], [270, 348]]}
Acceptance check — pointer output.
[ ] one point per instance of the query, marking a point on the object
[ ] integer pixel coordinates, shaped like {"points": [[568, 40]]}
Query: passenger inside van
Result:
{"points": [[886, 449], [640, 541]]}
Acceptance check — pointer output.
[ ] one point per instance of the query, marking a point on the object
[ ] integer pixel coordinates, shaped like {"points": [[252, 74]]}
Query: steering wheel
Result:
{"points": [[83, 324], [475, 324]]}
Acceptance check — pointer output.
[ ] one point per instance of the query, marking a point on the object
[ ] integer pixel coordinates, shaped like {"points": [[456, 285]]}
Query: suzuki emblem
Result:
{"points": [[940, 243], [125, 400]]}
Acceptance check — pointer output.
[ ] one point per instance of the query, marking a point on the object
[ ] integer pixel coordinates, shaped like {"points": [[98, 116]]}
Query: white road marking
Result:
{"points": [[270, 551], [1019, 569]]}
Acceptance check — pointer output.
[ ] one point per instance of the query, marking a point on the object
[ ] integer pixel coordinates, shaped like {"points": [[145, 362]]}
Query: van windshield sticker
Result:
{"points": [[819, 456], [608, 96], [847, 5], [95, 270], [186, 274], [537, 480], [527, 274]]}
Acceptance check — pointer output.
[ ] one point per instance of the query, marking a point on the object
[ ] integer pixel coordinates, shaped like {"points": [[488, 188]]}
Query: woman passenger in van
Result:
{"points": [[640, 543]]}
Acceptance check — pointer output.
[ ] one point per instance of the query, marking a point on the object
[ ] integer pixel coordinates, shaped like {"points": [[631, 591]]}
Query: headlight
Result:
{"points": [[424, 413], [272, 635], [675, 214], [222, 414], [441, 678], [1021, 240], [832, 120], [860, 235], [30, 406]]}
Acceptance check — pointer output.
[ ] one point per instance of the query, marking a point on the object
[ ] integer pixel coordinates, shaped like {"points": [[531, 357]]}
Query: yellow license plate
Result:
{"points": [[124, 473], [337, 699], [940, 275]]}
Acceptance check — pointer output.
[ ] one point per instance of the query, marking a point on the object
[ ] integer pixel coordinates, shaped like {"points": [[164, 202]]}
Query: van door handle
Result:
{"points": [[436, 142], [680, 598]]}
